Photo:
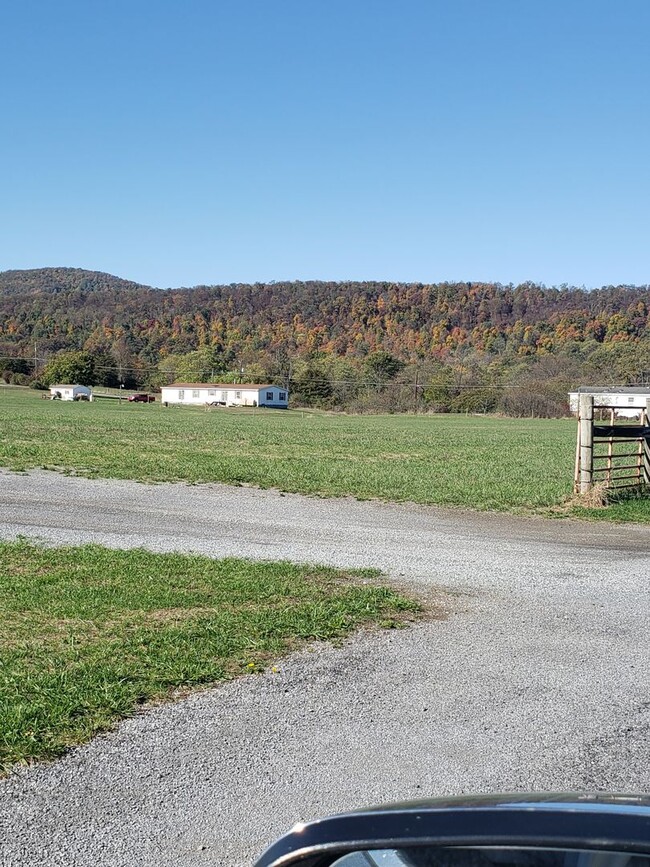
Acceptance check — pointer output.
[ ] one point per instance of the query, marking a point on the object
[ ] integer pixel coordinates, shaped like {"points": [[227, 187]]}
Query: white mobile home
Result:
{"points": [[627, 402], [224, 394], [71, 392]]}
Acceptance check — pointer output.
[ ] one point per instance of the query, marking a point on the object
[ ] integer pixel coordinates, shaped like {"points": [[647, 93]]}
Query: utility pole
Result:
{"points": [[415, 391]]}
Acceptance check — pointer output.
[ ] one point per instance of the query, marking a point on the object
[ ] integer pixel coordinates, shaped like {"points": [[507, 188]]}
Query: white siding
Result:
{"points": [[69, 392], [627, 404], [273, 395], [231, 395], [202, 395]]}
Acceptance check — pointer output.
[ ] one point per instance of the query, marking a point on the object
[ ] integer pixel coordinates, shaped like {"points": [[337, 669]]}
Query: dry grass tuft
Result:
{"points": [[596, 498]]}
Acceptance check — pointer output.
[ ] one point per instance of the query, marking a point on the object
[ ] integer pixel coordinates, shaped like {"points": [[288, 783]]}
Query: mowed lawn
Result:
{"points": [[87, 634], [452, 460]]}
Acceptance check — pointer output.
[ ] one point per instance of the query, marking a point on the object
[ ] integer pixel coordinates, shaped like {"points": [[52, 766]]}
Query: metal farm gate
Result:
{"points": [[608, 453]]}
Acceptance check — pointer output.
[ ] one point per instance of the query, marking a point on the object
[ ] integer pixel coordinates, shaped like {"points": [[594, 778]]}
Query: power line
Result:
{"points": [[416, 385]]}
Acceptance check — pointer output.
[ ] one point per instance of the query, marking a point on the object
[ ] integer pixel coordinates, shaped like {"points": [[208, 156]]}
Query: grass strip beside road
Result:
{"points": [[87, 633]]}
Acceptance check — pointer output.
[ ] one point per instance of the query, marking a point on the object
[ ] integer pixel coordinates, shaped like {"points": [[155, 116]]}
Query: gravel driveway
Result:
{"points": [[537, 679]]}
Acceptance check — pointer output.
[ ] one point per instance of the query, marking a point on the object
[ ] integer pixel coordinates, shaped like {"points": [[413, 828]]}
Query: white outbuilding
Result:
{"points": [[627, 402], [220, 394], [71, 392]]}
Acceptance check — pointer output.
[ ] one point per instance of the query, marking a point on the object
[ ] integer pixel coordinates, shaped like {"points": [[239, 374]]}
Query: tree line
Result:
{"points": [[465, 347]]}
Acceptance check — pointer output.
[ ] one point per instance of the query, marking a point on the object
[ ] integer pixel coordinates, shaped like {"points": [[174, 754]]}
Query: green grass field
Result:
{"points": [[454, 460], [87, 634]]}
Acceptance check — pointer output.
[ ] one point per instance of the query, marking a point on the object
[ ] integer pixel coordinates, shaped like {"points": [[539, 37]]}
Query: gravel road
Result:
{"points": [[537, 678]]}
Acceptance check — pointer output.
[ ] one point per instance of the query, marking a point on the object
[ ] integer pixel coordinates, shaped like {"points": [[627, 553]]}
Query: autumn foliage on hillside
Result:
{"points": [[328, 339]]}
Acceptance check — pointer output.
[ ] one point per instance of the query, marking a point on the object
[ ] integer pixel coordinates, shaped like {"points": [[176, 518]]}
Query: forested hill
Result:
{"points": [[52, 281], [453, 346], [66, 308]]}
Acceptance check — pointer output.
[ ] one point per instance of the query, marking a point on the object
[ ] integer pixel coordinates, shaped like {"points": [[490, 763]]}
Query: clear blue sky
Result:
{"points": [[177, 142]]}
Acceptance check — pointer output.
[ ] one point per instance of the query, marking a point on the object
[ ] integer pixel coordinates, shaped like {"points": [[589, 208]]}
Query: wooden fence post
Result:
{"points": [[576, 471], [586, 442], [645, 478]]}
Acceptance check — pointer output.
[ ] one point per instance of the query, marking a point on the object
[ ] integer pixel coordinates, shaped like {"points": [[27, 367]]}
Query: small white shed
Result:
{"points": [[71, 392], [628, 402], [225, 394]]}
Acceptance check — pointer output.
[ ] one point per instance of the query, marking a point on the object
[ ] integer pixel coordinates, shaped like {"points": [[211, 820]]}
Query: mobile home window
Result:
{"points": [[630, 399], [195, 392], [212, 392], [269, 395], [282, 395], [238, 395], [181, 394], [224, 396]]}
